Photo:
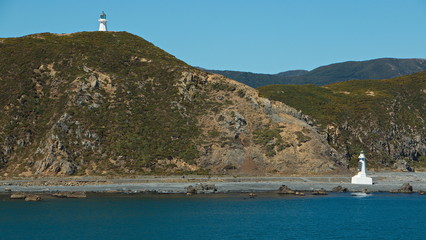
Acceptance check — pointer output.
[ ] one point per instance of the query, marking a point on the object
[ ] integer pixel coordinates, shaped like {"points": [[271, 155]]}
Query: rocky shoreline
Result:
{"points": [[394, 182]]}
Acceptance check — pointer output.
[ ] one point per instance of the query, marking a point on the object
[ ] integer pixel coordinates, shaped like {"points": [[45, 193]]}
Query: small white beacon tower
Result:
{"points": [[103, 22], [361, 177]]}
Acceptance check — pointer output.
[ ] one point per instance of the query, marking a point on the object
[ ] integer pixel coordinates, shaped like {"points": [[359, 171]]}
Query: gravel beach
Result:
{"points": [[383, 181]]}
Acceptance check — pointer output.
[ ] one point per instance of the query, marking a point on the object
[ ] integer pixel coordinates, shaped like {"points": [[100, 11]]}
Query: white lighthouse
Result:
{"points": [[103, 22], [361, 177]]}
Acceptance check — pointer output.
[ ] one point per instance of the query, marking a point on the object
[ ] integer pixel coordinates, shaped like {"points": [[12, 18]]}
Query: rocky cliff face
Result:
{"points": [[253, 135], [108, 103]]}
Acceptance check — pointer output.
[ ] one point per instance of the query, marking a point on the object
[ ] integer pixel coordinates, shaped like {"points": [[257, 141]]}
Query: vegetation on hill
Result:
{"points": [[382, 68], [258, 79], [104, 70], [97, 103], [384, 117]]}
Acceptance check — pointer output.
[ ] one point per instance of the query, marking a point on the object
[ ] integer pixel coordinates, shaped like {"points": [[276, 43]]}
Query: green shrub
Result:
{"points": [[270, 140], [241, 93]]}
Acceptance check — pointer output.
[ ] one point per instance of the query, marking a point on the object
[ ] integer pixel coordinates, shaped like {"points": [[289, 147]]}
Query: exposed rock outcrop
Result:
{"points": [[285, 190], [405, 188], [263, 136], [321, 191], [32, 198], [201, 188], [339, 189], [18, 196], [70, 195]]}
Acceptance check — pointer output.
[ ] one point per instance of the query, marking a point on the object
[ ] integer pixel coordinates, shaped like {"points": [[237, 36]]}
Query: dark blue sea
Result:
{"points": [[232, 216]]}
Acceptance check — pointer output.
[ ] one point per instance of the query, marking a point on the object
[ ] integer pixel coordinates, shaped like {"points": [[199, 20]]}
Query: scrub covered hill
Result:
{"points": [[381, 68], [387, 118], [111, 103], [259, 79]]}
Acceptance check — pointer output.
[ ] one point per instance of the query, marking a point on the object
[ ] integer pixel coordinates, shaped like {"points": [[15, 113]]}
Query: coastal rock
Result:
{"points": [[70, 195], [365, 190], [405, 188], [18, 196], [191, 190], [285, 190], [32, 198], [320, 192], [201, 188], [205, 188], [339, 189], [252, 195]]}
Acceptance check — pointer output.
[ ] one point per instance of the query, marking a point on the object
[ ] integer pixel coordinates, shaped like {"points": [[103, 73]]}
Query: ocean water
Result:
{"points": [[336, 216]]}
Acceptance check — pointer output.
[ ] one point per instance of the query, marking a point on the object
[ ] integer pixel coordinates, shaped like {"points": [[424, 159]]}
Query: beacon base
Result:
{"points": [[362, 180]]}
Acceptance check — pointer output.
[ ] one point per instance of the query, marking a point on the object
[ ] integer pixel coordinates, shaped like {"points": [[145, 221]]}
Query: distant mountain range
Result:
{"points": [[382, 68]]}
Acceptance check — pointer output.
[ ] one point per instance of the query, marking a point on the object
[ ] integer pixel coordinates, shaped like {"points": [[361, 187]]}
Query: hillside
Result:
{"points": [[258, 79], [111, 103], [387, 118], [382, 68]]}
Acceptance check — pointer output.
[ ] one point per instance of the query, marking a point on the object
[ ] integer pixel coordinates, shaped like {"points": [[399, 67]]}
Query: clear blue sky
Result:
{"points": [[266, 36]]}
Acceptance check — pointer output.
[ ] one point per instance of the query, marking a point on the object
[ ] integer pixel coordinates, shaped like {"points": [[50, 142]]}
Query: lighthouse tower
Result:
{"points": [[103, 22], [361, 177]]}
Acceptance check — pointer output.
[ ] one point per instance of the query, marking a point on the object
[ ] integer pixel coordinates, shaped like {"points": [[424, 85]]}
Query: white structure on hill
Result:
{"points": [[361, 177], [103, 22]]}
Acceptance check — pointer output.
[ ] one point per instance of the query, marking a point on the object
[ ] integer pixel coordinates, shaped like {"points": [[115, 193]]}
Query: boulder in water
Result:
{"points": [[70, 194], [32, 198], [18, 196], [285, 190], [191, 190], [319, 192], [405, 188], [339, 189]]}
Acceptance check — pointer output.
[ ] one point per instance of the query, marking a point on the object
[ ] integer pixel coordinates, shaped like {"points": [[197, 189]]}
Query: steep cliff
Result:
{"points": [[111, 103]]}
